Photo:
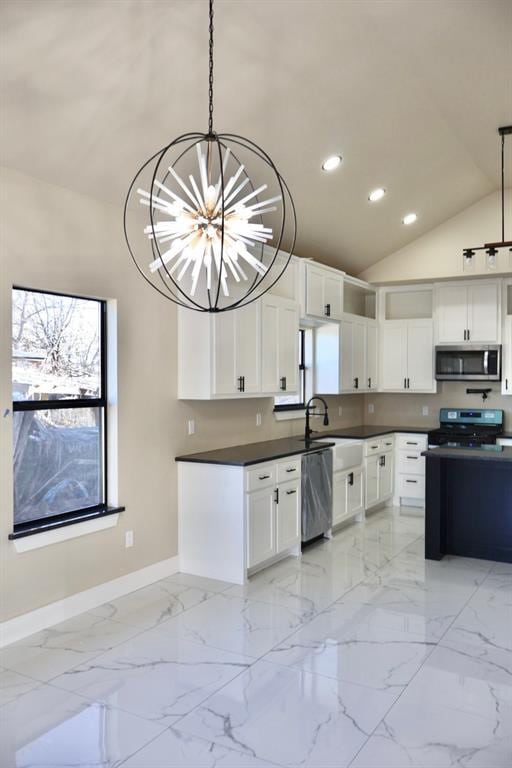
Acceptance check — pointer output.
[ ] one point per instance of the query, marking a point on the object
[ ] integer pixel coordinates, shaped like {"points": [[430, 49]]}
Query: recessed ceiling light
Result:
{"points": [[409, 219], [376, 194], [331, 163]]}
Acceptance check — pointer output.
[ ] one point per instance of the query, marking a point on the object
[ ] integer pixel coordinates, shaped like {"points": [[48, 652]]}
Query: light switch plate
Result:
{"points": [[191, 427], [128, 539], [371, 408], [424, 410], [258, 419]]}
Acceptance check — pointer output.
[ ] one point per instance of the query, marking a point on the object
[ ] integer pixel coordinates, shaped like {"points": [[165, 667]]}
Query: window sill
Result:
{"points": [[291, 414], [33, 536]]}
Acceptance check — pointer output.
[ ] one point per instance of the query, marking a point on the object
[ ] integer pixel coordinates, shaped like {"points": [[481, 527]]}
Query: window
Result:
{"points": [[59, 409], [298, 401]]}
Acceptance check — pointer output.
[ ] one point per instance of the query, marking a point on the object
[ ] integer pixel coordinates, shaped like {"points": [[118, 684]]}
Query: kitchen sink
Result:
{"points": [[346, 453]]}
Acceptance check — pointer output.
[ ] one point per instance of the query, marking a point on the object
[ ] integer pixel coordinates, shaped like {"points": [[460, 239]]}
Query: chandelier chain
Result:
{"points": [[210, 78]]}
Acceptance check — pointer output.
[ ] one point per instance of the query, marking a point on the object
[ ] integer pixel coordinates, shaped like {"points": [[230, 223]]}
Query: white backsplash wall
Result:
{"points": [[406, 409]]}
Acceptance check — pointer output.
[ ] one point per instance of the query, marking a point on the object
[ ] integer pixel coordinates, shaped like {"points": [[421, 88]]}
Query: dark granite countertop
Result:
{"points": [[482, 454], [255, 453], [364, 431]]}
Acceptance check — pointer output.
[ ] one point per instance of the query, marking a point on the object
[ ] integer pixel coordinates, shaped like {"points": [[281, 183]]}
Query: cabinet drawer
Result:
{"points": [[411, 486], [288, 470], [414, 442], [372, 446], [411, 462], [260, 477], [387, 443]]}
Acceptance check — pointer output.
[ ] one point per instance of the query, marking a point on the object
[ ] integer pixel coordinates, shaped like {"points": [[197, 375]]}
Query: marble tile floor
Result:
{"points": [[358, 654]]}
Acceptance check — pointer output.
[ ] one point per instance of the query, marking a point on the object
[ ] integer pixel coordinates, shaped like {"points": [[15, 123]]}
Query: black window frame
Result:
{"points": [[86, 513], [302, 378]]}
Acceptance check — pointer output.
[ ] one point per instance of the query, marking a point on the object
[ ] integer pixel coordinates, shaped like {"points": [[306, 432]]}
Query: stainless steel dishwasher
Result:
{"points": [[316, 493]]}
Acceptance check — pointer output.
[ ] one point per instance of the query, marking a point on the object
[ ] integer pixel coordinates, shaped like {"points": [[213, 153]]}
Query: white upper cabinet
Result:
{"points": [[407, 356], [372, 356], [323, 288], [237, 355], [359, 348], [279, 345], [468, 312], [342, 364]]}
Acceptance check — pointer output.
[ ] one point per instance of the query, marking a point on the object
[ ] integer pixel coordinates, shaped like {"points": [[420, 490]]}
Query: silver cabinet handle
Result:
{"points": [[289, 493]]}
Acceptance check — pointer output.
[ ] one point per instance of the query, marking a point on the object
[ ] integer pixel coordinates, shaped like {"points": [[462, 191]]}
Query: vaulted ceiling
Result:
{"points": [[409, 92]]}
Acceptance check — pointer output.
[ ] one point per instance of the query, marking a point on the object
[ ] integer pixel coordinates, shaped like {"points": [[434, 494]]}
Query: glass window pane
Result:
{"points": [[58, 460], [56, 346]]}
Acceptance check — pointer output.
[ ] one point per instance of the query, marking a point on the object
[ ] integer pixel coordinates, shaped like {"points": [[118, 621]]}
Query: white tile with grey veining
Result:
{"points": [[199, 582], [154, 676], [486, 622], [55, 650], [456, 712], [290, 717], [13, 685], [150, 606], [235, 624], [180, 750], [358, 644], [50, 728]]}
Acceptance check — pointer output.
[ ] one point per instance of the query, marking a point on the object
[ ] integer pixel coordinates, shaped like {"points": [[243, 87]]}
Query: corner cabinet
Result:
{"points": [[247, 352], [468, 312], [407, 356]]}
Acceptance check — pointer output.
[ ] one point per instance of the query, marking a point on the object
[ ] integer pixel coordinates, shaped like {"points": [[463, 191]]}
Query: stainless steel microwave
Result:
{"points": [[468, 363]]}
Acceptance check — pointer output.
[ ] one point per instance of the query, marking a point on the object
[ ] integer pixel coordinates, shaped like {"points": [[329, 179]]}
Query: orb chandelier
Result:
{"points": [[217, 213]]}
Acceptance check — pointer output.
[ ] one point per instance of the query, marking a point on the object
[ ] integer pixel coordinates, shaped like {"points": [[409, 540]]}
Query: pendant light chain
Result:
{"points": [[210, 79]]}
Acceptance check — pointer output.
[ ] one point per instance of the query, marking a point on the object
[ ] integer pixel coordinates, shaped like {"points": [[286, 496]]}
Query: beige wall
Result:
{"points": [[55, 239], [438, 253], [406, 409]]}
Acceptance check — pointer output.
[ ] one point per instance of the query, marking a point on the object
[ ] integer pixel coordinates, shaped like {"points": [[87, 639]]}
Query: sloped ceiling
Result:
{"points": [[409, 92]]}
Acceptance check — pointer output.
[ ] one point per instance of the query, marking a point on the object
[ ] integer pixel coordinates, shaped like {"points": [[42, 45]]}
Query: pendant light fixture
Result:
{"points": [[217, 213], [492, 249]]}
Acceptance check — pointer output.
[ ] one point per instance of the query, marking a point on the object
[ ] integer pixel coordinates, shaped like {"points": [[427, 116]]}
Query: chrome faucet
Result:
{"points": [[308, 431]]}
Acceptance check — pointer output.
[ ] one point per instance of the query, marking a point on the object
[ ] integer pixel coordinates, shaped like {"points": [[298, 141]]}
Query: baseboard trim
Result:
{"points": [[42, 618]]}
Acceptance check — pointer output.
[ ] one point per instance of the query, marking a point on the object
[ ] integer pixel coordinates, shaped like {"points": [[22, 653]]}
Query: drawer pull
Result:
{"points": [[411, 443], [263, 477], [415, 458], [292, 469], [374, 447], [289, 493], [412, 481]]}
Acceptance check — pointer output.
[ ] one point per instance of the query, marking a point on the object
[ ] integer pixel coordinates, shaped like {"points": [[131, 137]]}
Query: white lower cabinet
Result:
{"points": [[378, 469], [261, 526], [348, 495], [410, 469], [273, 516]]}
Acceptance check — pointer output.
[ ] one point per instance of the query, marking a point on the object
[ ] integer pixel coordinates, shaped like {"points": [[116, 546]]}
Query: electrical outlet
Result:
{"points": [[191, 427], [424, 410], [258, 419], [371, 408], [128, 539], [340, 411]]}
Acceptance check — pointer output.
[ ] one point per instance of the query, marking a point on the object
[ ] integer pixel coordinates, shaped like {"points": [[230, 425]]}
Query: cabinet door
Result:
{"points": [[333, 296], [248, 346], [371, 481], [385, 476], [346, 355], [355, 492], [372, 358], [288, 516], [270, 343], [339, 497], [261, 541], [483, 313], [224, 375], [420, 356], [288, 347], [359, 355], [315, 291], [506, 381], [393, 355], [452, 313]]}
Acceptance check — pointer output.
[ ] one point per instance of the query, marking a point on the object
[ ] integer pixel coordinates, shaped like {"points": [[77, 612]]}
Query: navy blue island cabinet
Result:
{"points": [[468, 506]]}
